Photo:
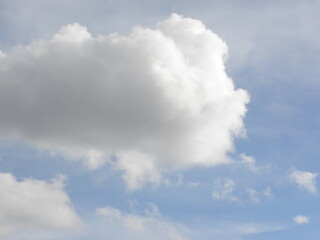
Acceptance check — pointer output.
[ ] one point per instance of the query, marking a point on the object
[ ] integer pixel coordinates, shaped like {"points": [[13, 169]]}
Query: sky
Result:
{"points": [[176, 120]]}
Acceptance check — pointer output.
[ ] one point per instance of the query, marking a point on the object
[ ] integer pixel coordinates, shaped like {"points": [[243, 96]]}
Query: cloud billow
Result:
{"points": [[156, 99]]}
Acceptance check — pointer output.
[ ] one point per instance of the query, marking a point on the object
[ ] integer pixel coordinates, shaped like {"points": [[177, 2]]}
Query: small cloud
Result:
{"points": [[256, 196], [152, 211], [150, 225], [249, 161], [224, 190], [180, 179], [306, 180], [301, 219], [132, 204], [253, 195], [193, 184], [268, 193], [253, 228]]}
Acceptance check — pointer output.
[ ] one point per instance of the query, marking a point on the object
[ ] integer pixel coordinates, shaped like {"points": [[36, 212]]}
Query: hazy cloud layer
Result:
{"points": [[31, 204], [155, 100]]}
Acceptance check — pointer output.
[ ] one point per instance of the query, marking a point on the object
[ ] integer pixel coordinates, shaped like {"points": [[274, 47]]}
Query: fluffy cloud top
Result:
{"points": [[32, 205], [155, 100], [306, 180], [301, 219]]}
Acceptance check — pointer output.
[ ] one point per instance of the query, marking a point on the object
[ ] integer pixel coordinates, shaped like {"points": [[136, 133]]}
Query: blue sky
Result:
{"points": [[126, 120]]}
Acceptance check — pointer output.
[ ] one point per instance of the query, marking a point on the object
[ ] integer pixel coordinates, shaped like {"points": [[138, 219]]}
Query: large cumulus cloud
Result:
{"points": [[154, 100]]}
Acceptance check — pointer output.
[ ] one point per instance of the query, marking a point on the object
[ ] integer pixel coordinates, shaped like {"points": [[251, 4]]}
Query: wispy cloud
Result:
{"points": [[150, 225], [251, 163], [224, 190]]}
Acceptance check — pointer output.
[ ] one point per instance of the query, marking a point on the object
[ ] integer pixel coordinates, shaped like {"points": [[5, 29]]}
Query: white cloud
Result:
{"points": [[301, 219], [138, 167], [156, 99], [73, 33], [254, 228], [224, 189], [151, 225], [249, 161], [253, 195], [232, 230], [34, 205], [257, 196], [193, 184], [306, 180], [181, 181], [268, 192]]}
